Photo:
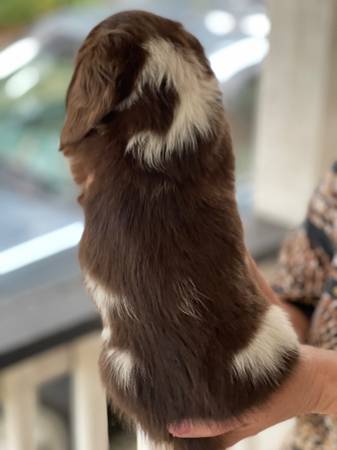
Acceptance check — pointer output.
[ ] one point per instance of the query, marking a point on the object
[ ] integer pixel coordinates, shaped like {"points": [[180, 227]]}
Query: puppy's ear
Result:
{"points": [[106, 69]]}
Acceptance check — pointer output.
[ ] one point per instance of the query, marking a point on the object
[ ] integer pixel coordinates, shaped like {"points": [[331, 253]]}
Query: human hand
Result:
{"points": [[311, 388]]}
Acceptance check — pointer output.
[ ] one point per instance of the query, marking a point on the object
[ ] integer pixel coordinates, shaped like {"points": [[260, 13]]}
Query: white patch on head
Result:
{"points": [[105, 300], [262, 357], [145, 443], [198, 99], [121, 364]]}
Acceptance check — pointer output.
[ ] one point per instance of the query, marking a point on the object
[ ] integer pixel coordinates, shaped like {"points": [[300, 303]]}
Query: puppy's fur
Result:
{"points": [[187, 333]]}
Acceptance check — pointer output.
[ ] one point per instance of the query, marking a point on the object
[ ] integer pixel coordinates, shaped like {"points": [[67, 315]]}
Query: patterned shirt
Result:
{"points": [[307, 277]]}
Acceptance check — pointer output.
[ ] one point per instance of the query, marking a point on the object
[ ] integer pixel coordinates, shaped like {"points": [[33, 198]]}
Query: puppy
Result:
{"points": [[187, 333]]}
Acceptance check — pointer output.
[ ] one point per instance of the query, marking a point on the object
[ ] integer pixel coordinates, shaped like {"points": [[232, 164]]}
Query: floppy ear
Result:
{"points": [[102, 78]]}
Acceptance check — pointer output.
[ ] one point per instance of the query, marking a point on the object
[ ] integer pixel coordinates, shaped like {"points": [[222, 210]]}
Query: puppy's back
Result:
{"points": [[187, 333]]}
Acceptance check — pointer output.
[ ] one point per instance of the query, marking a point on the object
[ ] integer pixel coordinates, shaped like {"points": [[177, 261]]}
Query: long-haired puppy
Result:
{"points": [[187, 333]]}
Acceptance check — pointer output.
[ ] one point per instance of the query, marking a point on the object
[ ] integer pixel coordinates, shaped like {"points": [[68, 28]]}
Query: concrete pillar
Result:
{"points": [[297, 113]]}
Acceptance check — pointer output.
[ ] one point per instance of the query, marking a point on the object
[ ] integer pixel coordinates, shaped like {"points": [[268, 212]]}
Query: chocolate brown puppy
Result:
{"points": [[187, 333]]}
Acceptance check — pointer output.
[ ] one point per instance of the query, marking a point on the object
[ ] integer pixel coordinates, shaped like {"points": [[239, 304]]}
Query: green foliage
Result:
{"points": [[18, 12]]}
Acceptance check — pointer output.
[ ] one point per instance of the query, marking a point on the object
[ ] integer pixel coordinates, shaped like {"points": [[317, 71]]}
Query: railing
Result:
{"points": [[19, 386]]}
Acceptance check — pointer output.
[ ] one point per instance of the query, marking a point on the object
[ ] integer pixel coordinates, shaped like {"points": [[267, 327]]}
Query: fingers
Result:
{"points": [[190, 429], [233, 431]]}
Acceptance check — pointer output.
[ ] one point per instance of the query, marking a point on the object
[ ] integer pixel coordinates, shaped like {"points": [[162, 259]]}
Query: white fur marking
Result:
{"points": [[121, 363], [198, 93], [99, 295], [105, 300], [129, 101], [262, 356], [106, 334], [191, 299], [145, 443]]}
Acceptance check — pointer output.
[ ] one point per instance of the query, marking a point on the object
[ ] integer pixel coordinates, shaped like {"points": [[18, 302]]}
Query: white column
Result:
{"points": [[296, 132], [89, 400], [20, 407]]}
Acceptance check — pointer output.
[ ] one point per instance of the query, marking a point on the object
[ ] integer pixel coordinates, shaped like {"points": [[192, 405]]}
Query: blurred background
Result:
{"points": [[275, 62]]}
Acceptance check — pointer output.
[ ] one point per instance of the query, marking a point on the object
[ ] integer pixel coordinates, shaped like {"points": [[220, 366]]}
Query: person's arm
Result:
{"points": [[312, 388], [298, 319]]}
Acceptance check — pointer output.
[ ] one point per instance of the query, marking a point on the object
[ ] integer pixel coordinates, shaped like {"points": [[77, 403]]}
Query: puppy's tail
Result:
{"points": [[214, 443]]}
